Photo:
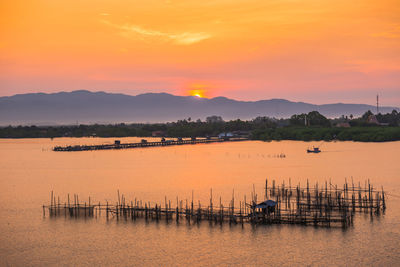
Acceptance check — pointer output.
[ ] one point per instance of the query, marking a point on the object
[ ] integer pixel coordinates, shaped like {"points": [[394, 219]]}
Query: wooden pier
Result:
{"points": [[144, 143], [326, 206]]}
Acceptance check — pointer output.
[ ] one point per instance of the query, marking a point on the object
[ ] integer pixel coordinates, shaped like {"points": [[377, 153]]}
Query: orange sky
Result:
{"points": [[311, 50]]}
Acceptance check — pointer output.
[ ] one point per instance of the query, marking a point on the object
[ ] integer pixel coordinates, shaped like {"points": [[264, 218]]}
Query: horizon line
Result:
{"points": [[251, 101]]}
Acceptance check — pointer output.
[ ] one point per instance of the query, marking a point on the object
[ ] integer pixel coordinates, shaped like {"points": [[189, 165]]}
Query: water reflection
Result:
{"points": [[29, 170]]}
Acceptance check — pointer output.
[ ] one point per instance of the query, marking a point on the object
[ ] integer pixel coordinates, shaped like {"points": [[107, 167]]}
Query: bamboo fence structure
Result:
{"points": [[326, 205]]}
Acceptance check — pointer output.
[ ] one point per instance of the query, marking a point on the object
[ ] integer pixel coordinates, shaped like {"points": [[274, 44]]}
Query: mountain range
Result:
{"points": [[100, 107]]}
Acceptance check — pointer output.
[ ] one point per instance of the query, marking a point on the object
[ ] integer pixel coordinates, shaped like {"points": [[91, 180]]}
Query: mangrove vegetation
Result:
{"points": [[305, 127]]}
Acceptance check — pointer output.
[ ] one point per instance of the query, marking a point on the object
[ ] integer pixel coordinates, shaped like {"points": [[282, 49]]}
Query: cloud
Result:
{"points": [[104, 14], [392, 33], [184, 38]]}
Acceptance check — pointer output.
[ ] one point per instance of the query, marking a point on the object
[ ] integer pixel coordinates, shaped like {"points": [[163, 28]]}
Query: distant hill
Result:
{"points": [[100, 107]]}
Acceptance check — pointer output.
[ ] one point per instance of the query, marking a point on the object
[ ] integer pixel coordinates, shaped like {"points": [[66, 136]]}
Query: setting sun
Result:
{"points": [[197, 92], [349, 48]]}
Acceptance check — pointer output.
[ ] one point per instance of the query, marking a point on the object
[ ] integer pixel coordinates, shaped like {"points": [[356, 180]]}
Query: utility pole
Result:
{"points": [[377, 104]]}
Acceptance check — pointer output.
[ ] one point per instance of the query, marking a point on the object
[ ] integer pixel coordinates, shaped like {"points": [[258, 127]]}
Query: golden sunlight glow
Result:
{"points": [[197, 92], [198, 89], [245, 49]]}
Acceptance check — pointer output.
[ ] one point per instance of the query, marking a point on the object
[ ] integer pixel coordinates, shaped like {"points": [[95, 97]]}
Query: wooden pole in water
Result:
{"points": [[169, 208], [199, 212], [233, 204], [240, 213], [369, 192], [119, 201], [245, 206], [77, 201], [177, 209], [211, 205], [51, 203], [135, 210], [273, 188], [326, 188], [166, 208], [372, 198], [254, 192], [221, 212], [107, 209], [191, 214]]}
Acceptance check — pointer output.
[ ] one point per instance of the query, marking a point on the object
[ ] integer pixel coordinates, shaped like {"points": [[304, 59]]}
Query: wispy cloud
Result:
{"points": [[183, 38], [392, 33]]}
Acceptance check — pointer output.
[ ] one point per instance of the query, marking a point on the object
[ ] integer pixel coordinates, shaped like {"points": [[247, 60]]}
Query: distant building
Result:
{"points": [[222, 135], [372, 119], [343, 125], [158, 133], [241, 133]]}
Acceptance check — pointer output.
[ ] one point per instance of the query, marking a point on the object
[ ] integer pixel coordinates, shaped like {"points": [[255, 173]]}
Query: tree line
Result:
{"points": [[306, 127]]}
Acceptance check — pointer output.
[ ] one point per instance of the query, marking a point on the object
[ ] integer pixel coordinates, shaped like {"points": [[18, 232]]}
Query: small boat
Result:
{"points": [[314, 150]]}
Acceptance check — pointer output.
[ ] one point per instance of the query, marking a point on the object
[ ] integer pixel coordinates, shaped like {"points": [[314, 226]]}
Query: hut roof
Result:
{"points": [[266, 204]]}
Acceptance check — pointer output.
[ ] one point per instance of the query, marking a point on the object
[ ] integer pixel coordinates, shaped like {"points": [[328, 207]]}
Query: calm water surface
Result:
{"points": [[29, 170]]}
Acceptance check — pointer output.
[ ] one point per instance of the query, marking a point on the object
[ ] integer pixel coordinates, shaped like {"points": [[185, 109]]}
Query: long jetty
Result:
{"points": [[326, 206], [144, 143]]}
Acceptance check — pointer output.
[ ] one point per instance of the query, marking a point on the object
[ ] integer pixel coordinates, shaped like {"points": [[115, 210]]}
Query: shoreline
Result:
{"points": [[294, 133]]}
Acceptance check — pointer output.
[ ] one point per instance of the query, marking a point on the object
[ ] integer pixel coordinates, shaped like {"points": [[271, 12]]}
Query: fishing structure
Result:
{"points": [[144, 143], [325, 205]]}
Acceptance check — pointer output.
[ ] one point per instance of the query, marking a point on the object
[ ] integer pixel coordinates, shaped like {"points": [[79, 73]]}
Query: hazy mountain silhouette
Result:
{"points": [[100, 107]]}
